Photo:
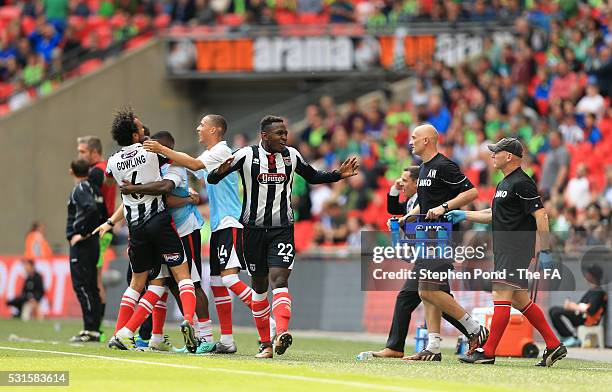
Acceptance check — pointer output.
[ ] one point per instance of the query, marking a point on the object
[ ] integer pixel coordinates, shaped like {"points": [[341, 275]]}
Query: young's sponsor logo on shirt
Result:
{"points": [[271, 178]]}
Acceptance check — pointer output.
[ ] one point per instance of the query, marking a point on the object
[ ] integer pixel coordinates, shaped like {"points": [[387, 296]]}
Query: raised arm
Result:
{"points": [[177, 157], [230, 164], [313, 176]]}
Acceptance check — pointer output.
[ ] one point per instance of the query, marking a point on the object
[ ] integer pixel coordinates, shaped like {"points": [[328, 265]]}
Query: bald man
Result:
{"points": [[441, 187]]}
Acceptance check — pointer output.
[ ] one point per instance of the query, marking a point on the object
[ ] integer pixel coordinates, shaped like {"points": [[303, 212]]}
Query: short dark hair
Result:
{"points": [[218, 120], [124, 126], [163, 135], [147, 131], [269, 120], [80, 168], [93, 143], [414, 172]]}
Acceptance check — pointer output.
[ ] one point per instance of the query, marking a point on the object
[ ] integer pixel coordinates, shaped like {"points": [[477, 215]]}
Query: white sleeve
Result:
{"points": [[174, 174], [214, 157]]}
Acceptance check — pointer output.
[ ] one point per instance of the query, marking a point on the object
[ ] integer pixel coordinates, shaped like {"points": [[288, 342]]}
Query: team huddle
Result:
{"points": [[164, 242], [256, 235]]}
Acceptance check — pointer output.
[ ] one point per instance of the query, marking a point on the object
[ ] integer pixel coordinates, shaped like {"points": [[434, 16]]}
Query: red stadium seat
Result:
{"points": [[142, 22], [95, 21], [4, 109], [304, 234], [105, 36], [286, 18], [310, 18], [28, 25], [162, 21], [473, 175], [231, 19], [137, 41], [118, 21], [89, 66], [10, 12], [6, 89]]}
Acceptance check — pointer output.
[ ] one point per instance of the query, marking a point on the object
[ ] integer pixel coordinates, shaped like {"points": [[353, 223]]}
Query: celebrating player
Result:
{"points": [[267, 172], [152, 236], [441, 187], [226, 250], [517, 213], [188, 221]]}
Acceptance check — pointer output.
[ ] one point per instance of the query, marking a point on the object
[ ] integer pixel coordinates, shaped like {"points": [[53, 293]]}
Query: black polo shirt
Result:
{"points": [[514, 226], [440, 180]]}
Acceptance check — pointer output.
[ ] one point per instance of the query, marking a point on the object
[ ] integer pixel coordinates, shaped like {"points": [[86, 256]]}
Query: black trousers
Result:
{"points": [[84, 272], [18, 303], [146, 328], [406, 302], [556, 314]]}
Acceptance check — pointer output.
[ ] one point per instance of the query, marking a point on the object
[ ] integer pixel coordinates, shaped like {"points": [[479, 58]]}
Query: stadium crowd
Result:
{"points": [[550, 87], [43, 42]]}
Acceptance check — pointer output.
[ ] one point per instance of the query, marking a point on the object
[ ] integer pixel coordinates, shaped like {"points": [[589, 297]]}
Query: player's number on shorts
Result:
{"points": [[135, 195], [222, 253], [285, 250]]}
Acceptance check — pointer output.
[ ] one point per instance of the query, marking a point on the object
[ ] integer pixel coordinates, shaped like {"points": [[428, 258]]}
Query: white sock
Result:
{"points": [[433, 345], [470, 324], [227, 339], [205, 330], [156, 338], [125, 333], [272, 326]]}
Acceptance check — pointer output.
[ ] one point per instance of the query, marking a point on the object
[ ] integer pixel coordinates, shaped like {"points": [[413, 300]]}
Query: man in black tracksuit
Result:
{"points": [[33, 289], [85, 213], [408, 297]]}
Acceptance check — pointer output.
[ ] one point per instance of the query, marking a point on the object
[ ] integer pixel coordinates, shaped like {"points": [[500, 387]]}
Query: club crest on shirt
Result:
{"points": [[171, 257], [287, 161], [271, 178]]}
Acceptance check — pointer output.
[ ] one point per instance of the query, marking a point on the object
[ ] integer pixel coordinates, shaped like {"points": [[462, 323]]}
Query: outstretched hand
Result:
{"points": [[349, 167], [225, 166], [153, 146]]}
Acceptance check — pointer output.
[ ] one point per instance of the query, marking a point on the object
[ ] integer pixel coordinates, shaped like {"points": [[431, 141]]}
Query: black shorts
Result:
{"points": [[192, 243], [226, 250], [154, 242], [268, 248], [426, 272], [510, 263]]}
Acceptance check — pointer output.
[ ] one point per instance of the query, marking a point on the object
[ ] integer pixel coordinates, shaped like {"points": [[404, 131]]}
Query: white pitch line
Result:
{"points": [[241, 372]]}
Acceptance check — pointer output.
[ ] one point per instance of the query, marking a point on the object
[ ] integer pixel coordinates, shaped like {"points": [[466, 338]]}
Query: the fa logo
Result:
{"points": [[255, 161], [501, 193], [432, 173]]}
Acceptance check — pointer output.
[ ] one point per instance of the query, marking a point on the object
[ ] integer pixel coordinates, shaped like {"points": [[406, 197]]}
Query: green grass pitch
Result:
{"points": [[311, 364]]}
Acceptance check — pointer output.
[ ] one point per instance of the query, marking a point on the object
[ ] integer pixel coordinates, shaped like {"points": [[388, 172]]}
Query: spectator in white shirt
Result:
{"points": [[592, 102], [577, 192]]}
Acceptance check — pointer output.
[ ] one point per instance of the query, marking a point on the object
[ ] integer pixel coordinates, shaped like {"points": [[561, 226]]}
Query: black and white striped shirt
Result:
{"points": [[267, 180], [138, 166]]}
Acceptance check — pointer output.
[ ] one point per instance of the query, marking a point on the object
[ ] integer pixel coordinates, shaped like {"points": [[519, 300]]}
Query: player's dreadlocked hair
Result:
{"points": [[124, 126], [269, 120]]}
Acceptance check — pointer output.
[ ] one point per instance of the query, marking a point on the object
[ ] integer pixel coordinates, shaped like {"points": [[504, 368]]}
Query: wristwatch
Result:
{"points": [[110, 223], [445, 206]]}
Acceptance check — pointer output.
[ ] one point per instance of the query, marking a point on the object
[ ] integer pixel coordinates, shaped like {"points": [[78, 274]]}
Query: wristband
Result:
{"points": [[110, 223]]}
